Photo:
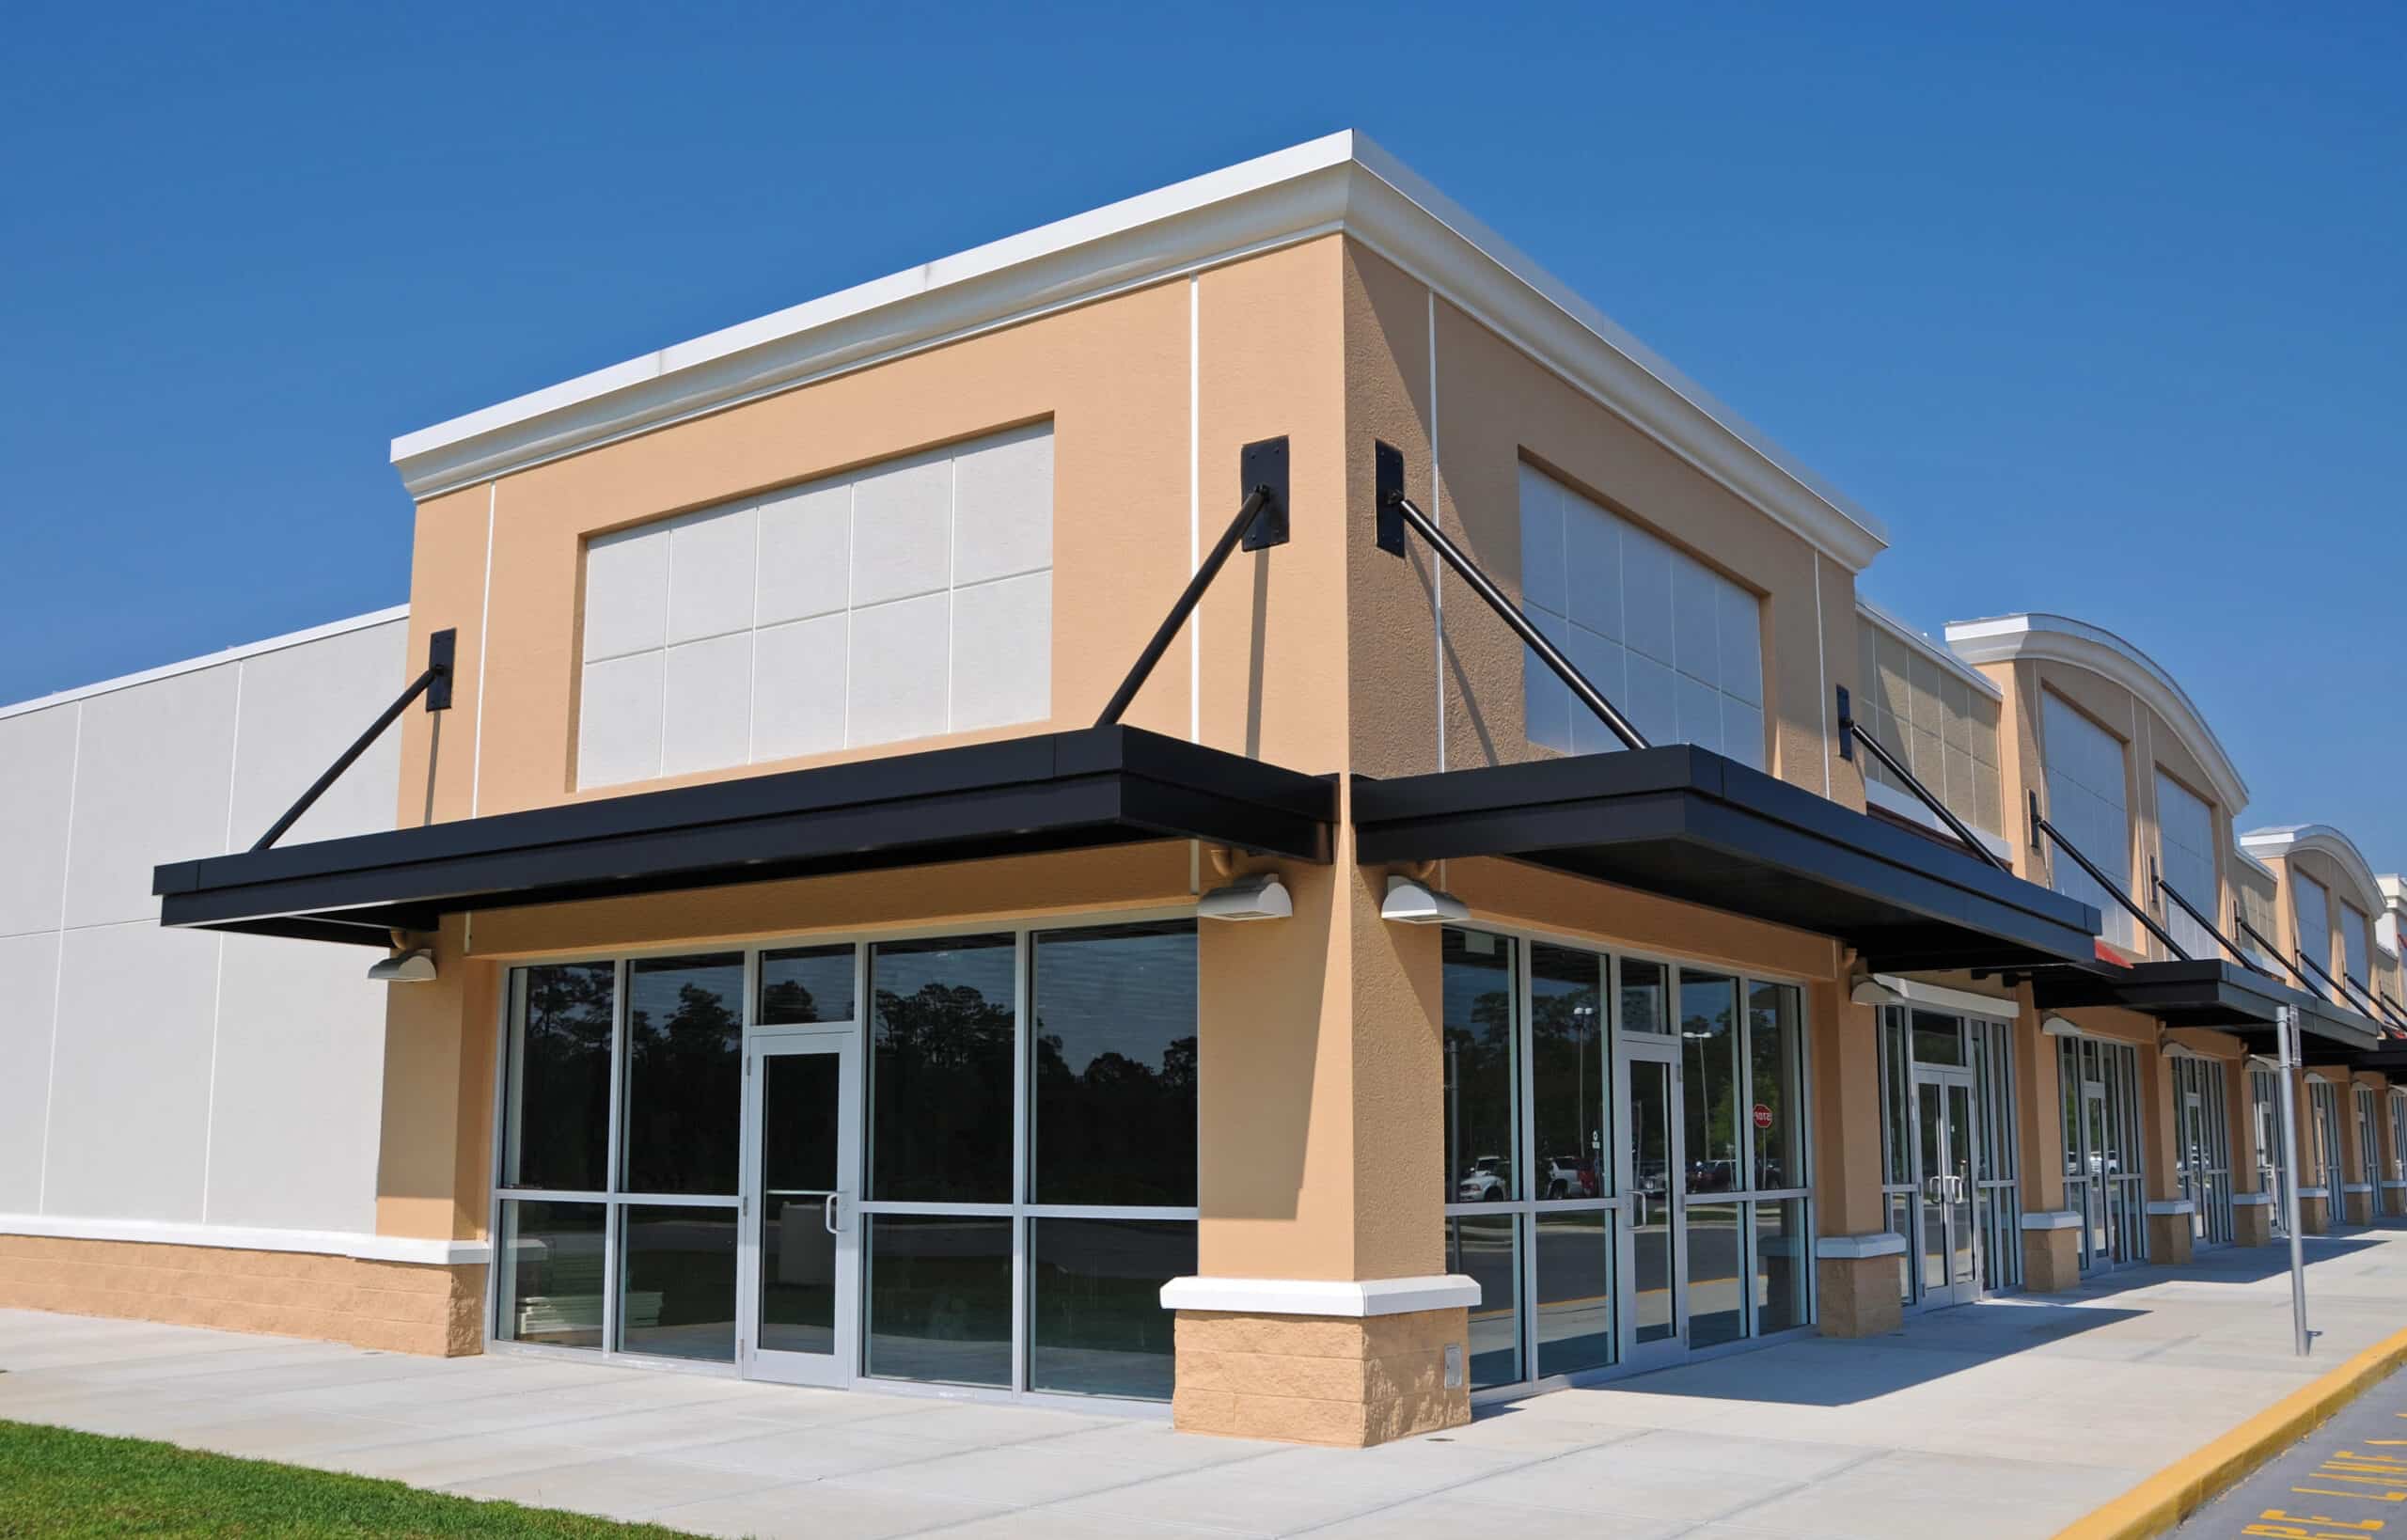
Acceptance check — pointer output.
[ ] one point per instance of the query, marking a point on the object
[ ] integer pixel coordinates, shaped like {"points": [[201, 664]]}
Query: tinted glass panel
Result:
{"points": [[1781, 1252], [1096, 1320], [941, 1299], [804, 985], [1114, 1037], [1938, 1040], [677, 1281], [551, 1285], [798, 1276], [1714, 1262], [940, 1070], [684, 1074], [798, 1116], [1709, 1057], [1776, 1116], [1569, 1063], [1479, 1067], [1482, 1250], [1575, 1287], [559, 1125], [1642, 991]]}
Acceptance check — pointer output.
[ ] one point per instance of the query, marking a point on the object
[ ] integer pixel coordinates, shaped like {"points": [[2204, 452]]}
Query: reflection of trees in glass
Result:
{"points": [[561, 1107], [1770, 1030], [684, 1077], [1114, 1038], [1478, 1069], [1568, 1072], [941, 1108], [1708, 1005], [787, 1000]]}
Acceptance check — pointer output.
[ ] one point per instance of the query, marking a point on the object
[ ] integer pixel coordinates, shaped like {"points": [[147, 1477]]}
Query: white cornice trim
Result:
{"points": [[209, 660], [1340, 184], [1321, 1296], [1881, 1243], [2057, 1218], [1907, 806], [1927, 647], [2057, 638], [2241, 851], [334, 1242], [2280, 844], [2171, 1206]]}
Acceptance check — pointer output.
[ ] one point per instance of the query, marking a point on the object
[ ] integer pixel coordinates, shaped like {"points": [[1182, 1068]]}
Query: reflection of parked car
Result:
{"points": [[1486, 1181], [1712, 1175], [1569, 1176]]}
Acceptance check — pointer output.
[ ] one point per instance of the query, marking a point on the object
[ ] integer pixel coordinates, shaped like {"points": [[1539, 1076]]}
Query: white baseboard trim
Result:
{"points": [[1879, 1243], [2052, 1219], [1321, 1296], [333, 1243]]}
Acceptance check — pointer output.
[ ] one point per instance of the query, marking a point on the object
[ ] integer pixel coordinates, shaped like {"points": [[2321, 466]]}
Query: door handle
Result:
{"points": [[827, 1213]]}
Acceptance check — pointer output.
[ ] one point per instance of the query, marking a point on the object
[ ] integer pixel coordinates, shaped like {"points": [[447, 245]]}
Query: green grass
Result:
{"points": [[53, 1481]]}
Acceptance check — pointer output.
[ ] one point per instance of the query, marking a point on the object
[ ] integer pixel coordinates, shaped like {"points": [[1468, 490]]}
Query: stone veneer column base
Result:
{"points": [[2050, 1260], [2252, 1224], [2170, 1241], [1858, 1296], [2358, 1206], [2314, 1215], [397, 1306], [1321, 1379]]}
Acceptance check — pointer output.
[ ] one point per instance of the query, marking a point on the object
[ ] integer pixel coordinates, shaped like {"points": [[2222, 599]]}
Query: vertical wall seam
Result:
{"points": [[753, 651], [484, 640], [1437, 511], [1822, 677], [667, 607], [217, 985], [1195, 500], [58, 963], [852, 568], [951, 578]]}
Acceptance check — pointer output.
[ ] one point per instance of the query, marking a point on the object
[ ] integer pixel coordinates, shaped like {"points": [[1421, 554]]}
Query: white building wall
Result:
{"points": [[187, 1078]]}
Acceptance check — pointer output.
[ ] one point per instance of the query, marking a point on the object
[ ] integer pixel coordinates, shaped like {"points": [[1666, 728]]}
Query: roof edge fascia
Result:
{"points": [[2280, 844], [2058, 639], [1339, 183], [207, 660]]}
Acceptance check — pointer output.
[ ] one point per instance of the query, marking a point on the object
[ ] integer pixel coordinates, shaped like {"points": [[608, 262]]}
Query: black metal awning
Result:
{"points": [[1052, 792], [1688, 824], [2203, 992]]}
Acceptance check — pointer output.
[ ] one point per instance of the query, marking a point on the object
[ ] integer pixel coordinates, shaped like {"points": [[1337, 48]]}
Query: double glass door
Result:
{"points": [[798, 1255], [1944, 1135]]}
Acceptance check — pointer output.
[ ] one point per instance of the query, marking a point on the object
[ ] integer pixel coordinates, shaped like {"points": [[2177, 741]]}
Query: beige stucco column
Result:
{"points": [[2050, 1244], [2170, 1238], [2251, 1207], [1856, 1256], [1321, 1311], [2318, 1189]]}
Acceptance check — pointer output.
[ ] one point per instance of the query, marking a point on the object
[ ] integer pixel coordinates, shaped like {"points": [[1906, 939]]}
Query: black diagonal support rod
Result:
{"points": [[433, 681], [2040, 826], [2207, 926], [2344, 990], [2275, 953], [1398, 513], [1261, 523], [1851, 733]]}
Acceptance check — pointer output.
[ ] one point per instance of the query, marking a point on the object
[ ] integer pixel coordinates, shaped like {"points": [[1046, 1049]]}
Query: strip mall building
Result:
{"points": [[1528, 922]]}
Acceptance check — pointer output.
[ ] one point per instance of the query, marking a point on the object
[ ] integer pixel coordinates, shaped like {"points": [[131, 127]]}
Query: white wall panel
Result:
{"points": [[2088, 802], [300, 707], [2314, 918], [1002, 521], [36, 765], [28, 970], [129, 1087], [999, 629], [293, 1136], [711, 573], [151, 786], [2186, 835]]}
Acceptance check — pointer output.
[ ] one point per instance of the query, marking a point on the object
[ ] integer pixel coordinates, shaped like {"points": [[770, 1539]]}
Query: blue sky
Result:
{"points": [[2100, 307]]}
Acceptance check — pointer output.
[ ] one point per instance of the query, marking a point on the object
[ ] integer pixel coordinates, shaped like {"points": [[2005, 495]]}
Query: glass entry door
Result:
{"points": [[1655, 1272], [2273, 1169], [1943, 1139], [799, 1260]]}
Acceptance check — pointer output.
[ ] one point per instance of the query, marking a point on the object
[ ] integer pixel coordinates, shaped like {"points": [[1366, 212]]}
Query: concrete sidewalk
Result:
{"points": [[2008, 1418]]}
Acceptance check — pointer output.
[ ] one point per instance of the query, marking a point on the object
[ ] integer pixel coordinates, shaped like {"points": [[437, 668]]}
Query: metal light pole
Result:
{"points": [[2285, 1029]]}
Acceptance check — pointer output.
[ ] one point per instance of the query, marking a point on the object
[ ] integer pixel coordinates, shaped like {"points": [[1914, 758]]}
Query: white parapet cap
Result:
{"points": [[2285, 840], [332, 1243], [2059, 638], [208, 660], [1321, 1296], [1339, 183]]}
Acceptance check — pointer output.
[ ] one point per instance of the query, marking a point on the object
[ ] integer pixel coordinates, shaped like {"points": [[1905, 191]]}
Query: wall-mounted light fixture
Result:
{"points": [[415, 966], [1263, 897], [1870, 990], [1411, 903], [2058, 1026]]}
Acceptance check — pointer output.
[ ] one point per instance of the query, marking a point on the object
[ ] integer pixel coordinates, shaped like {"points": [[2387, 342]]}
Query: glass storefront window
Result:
{"points": [[1570, 1070], [1775, 1115], [1573, 1328], [677, 1281], [552, 1267], [1784, 1252], [1642, 992], [1938, 1040], [800, 986], [559, 1078], [1114, 1040], [1716, 1263], [1479, 1090], [939, 1292], [1709, 1055], [1096, 1324], [685, 1075], [1483, 1250], [940, 1070]]}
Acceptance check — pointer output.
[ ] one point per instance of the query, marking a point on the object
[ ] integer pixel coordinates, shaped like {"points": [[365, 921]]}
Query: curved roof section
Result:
{"points": [[2283, 840], [2059, 638], [1342, 182]]}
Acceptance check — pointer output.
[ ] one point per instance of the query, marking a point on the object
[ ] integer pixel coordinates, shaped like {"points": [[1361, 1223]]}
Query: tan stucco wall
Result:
{"points": [[391, 1306]]}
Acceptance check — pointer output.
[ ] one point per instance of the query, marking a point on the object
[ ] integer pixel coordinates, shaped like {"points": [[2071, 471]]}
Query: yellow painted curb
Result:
{"points": [[2182, 1488]]}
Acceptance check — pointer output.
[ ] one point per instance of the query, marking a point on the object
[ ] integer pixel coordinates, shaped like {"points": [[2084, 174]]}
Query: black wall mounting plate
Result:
{"points": [[1264, 463]]}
